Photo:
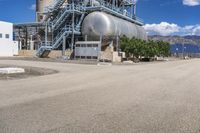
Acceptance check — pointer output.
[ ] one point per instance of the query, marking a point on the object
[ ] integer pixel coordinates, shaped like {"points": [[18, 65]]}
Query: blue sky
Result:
{"points": [[163, 17], [173, 11], [16, 11]]}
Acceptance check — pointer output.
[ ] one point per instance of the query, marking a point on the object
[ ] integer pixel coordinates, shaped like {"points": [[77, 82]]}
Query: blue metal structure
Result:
{"points": [[64, 19]]}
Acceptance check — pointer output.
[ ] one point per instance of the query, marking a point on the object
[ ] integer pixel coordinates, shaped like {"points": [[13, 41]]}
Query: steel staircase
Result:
{"points": [[59, 21], [45, 49], [64, 14], [57, 4]]}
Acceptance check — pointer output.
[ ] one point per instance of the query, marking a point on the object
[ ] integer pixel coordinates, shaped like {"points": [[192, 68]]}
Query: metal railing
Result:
{"points": [[109, 8], [62, 15], [56, 5], [58, 21]]}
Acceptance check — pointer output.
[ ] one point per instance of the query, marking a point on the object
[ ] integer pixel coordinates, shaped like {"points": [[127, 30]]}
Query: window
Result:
{"points": [[77, 45], [1, 35], [7, 36], [89, 45]]}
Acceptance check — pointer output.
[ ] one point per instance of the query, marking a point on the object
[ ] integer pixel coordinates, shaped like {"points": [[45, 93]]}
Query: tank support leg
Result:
{"points": [[64, 46]]}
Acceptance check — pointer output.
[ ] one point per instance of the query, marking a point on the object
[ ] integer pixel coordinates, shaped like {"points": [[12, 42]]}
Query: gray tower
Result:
{"points": [[41, 5]]}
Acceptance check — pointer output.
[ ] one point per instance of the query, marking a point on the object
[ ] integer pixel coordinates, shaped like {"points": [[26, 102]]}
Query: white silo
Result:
{"points": [[41, 6]]}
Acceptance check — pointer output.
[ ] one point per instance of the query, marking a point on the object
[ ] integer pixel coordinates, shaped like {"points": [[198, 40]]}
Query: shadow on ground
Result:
{"points": [[29, 72]]}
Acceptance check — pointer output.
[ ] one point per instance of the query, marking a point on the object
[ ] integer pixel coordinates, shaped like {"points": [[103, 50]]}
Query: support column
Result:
{"points": [[46, 33], [86, 38], [72, 40], [19, 40], [135, 8], [132, 10], [31, 43], [26, 39], [99, 47], [64, 46], [117, 41]]}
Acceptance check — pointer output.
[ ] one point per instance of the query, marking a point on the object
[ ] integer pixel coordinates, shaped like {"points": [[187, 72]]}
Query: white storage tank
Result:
{"points": [[97, 23]]}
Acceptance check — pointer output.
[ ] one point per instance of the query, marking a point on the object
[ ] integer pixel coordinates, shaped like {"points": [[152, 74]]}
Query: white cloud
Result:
{"points": [[165, 29], [32, 7], [191, 30], [191, 2]]}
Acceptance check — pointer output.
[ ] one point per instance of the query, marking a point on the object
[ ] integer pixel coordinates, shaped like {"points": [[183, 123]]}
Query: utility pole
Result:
{"points": [[183, 50]]}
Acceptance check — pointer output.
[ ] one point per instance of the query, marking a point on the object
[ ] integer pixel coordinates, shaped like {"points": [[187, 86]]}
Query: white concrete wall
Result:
{"points": [[7, 45]]}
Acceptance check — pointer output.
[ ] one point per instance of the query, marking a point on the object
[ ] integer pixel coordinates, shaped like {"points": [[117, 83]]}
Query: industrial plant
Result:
{"points": [[80, 29]]}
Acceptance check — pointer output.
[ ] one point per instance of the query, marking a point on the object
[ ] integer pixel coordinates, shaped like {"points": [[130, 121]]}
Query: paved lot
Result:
{"points": [[153, 98]]}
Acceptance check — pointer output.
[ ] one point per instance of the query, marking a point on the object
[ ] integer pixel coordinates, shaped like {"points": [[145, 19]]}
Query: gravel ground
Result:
{"points": [[152, 98]]}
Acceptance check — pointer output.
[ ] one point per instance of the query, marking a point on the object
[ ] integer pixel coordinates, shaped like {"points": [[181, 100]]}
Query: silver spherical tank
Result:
{"points": [[96, 24]]}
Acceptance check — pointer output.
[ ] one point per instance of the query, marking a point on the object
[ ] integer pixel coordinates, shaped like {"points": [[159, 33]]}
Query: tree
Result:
{"points": [[137, 48]]}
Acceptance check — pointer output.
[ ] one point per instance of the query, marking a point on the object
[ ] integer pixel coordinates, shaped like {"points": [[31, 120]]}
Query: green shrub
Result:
{"points": [[141, 48]]}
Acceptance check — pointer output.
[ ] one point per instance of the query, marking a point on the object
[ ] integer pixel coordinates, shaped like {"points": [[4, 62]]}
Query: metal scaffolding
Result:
{"points": [[62, 22]]}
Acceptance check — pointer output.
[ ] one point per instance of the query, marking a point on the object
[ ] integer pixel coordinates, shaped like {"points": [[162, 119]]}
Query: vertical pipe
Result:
{"points": [[64, 46], [131, 11], [183, 50], [26, 39], [46, 33], [113, 3], [19, 40], [117, 39], [86, 38], [99, 47], [36, 12], [52, 35], [135, 8], [72, 40]]}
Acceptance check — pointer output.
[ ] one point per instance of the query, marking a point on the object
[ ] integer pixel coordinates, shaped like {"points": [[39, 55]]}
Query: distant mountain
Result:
{"points": [[178, 39], [194, 38]]}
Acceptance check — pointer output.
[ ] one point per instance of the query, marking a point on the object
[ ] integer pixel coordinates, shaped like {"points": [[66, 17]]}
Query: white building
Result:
{"points": [[7, 46]]}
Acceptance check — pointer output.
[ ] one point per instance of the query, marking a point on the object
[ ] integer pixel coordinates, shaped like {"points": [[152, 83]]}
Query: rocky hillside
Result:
{"points": [[178, 39]]}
